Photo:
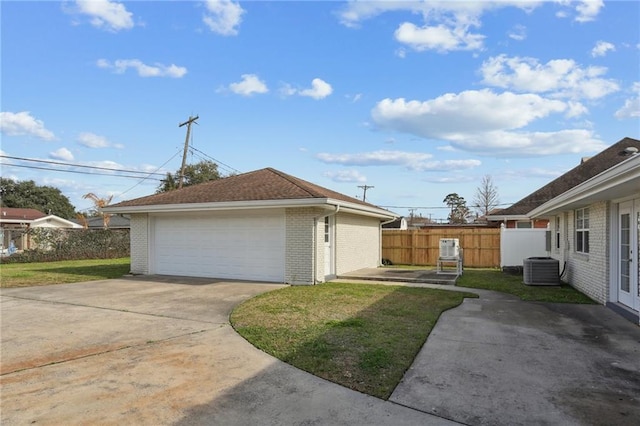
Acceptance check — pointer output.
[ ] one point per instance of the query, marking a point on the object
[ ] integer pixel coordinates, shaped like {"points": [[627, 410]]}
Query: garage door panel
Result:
{"points": [[247, 246]]}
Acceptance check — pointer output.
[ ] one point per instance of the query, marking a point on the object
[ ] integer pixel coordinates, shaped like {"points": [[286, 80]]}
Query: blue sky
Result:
{"points": [[417, 99]]}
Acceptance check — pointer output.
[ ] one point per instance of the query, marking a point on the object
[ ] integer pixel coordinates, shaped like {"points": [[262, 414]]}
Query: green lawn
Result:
{"points": [[46, 273], [362, 336], [494, 279]]}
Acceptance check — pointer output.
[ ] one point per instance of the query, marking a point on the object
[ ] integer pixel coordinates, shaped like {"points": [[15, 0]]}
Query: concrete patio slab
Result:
{"points": [[425, 276]]}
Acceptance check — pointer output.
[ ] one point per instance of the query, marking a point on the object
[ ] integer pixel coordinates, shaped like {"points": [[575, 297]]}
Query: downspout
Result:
{"points": [[315, 244]]}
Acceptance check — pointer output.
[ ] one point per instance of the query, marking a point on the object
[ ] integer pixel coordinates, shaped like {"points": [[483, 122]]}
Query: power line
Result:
{"points": [[72, 165], [228, 167], [147, 177], [75, 171]]}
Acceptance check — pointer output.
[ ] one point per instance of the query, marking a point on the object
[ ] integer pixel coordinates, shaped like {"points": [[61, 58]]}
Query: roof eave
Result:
{"points": [[256, 204], [503, 218], [613, 183]]}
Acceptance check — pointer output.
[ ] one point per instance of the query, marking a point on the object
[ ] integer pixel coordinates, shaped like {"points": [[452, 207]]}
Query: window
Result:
{"points": [[557, 232], [582, 230], [326, 229], [523, 225]]}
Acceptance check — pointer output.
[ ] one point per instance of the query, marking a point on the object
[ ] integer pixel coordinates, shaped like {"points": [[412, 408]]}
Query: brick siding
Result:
{"points": [[589, 273], [139, 243], [358, 242]]}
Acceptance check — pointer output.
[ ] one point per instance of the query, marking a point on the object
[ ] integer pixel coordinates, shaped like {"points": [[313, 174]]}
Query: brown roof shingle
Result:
{"points": [[260, 185], [581, 173], [11, 213]]}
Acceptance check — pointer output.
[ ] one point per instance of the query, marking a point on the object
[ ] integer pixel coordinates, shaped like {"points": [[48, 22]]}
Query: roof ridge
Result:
{"points": [[297, 182]]}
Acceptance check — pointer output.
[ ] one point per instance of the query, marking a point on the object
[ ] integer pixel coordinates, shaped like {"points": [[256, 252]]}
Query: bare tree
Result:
{"points": [[486, 196]]}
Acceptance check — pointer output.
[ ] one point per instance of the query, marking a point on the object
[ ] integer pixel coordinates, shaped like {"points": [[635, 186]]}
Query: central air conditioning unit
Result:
{"points": [[541, 271], [449, 248]]}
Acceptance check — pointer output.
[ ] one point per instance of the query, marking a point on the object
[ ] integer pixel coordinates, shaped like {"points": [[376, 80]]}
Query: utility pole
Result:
{"points": [[364, 189], [188, 123]]}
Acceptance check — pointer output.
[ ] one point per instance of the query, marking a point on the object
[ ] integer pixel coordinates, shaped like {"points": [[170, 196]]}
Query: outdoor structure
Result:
{"points": [[595, 224], [96, 222], [263, 225], [15, 222]]}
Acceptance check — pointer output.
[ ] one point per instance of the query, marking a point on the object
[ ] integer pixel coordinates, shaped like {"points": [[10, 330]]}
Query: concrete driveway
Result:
{"points": [[159, 350]]}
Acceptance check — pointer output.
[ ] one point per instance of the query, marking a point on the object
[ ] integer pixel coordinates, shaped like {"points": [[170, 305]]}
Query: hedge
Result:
{"points": [[54, 244]]}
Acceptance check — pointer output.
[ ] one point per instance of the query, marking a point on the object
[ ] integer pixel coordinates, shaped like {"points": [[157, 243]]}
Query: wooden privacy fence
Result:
{"points": [[421, 246]]}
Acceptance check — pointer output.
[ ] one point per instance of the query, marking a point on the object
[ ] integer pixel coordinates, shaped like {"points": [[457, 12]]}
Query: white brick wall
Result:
{"points": [[589, 272], [358, 242], [139, 243], [299, 240]]}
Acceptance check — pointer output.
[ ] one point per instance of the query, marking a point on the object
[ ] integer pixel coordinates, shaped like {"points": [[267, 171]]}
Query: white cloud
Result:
{"points": [[144, 70], [23, 123], [61, 154], [464, 113], [354, 12], [417, 161], [601, 48], [631, 107], [446, 25], [518, 32], [440, 38], [346, 176], [249, 85], [588, 10], [91, 140], [527, 144], [223, 17], [487, 123], [319, 89], [375, 158], [106, 14], [558, 77]]}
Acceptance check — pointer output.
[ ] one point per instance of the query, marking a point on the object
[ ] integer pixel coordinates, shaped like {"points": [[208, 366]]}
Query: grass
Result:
{"points": [[362, 336], [47, 273], [494, 279]]}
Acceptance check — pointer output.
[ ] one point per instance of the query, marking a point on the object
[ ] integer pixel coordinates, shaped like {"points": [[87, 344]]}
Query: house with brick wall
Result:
{"points": [[263, 225], [595, 226]]}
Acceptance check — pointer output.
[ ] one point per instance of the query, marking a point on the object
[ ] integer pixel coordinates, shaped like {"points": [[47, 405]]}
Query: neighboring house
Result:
{"points": [[263, 225], [398, 224], [15, 222], [595, 225], [97, 222], [516, 216]]}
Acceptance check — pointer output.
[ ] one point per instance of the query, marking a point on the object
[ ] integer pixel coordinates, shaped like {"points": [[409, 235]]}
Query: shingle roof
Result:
{"points": [[10, 213], [260, 185], [581, 173]]}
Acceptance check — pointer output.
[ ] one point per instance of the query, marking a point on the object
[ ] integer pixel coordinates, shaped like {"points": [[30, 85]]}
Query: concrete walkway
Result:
{"points": [[497, 360]]}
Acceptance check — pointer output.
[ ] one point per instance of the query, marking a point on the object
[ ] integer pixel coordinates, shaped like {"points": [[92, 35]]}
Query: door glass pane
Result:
{"points": [[625, 252]]}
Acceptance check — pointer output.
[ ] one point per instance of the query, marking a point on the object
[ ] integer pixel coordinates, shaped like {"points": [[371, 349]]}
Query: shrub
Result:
{"points": [[54, 244]]}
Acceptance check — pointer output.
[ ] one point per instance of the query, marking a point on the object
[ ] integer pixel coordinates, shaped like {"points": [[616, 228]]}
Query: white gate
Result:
{"points": [[517, 244]]}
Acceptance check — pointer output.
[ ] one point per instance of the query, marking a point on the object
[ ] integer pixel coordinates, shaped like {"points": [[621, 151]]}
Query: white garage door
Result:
{"points": [[221, 245]]}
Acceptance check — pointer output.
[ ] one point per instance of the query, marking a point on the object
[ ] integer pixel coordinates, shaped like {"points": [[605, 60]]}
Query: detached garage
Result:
{"points": [[260, 226]]}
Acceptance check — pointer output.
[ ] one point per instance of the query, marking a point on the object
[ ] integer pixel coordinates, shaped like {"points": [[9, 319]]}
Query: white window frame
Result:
{"points": [[524, 224], [582, 230]]}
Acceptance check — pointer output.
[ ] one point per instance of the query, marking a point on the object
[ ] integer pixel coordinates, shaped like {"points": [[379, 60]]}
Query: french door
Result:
{"points": [[628, 226]]}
